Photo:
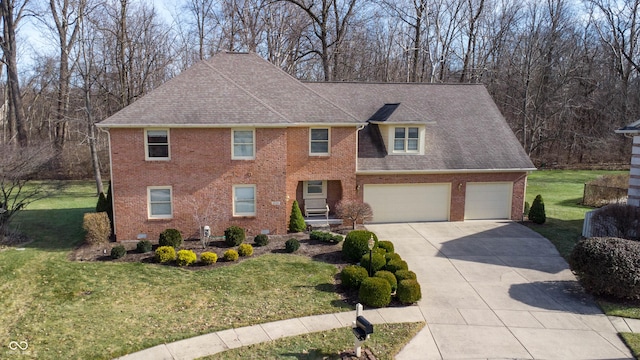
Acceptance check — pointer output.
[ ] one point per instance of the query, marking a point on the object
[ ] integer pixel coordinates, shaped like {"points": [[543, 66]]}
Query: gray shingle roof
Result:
{"points": [[469, 132]]}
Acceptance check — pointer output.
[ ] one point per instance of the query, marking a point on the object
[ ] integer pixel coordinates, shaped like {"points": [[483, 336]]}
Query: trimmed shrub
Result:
{"points": [[537, 213], [144, 246], [234, 235], [395, 265], [391, 279], [165, 254], [97, 227], [326, 236], [409, 291], [527, 207], [101, 206], [292, 245], [387, 245], [392, 256], [186, 258], [245, 250], [230, 255], [377, 261], [261, 240], [118, 251], [375, 292], [356, 244], [296, 220], [170, 237], [405, 275], [208, 258], [608, 266], [352, 276], [616, 220]]}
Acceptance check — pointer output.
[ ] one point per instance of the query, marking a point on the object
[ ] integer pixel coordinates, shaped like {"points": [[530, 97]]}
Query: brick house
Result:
{"points": [[633, 130], [236, 140]]}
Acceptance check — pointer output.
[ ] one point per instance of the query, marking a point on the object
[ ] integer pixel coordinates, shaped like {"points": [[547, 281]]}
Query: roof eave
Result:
{"points": [[219, 126], [440, 171], [414, 122]]}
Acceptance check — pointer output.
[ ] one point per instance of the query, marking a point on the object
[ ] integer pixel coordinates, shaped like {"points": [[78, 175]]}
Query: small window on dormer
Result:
{"points": [[406, 139]]}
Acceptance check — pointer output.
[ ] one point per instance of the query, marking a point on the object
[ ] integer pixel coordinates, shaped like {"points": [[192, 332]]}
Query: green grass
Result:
{"points": [[101, 310], [386, 341]]}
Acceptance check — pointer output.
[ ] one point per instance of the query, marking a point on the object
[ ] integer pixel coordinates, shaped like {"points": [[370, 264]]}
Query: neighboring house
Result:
{"points": [[634, 178], [238, 139]]}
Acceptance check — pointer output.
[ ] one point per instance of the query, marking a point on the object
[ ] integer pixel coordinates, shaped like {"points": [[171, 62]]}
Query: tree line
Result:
{"points": [[563, 72]]}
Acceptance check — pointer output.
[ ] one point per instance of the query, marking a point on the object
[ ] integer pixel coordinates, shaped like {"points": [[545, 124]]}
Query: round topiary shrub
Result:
{"points": [[208, 258], [230, 255], [144, 246], [165, 254], [352, 276], [234, 235], [261, 240], [170, 237], [392, 256], [291, 245], [608, 266], [537, 213], [186, 258], [405, 274], [391, 279], [377, 261], [245, 250], [408, 291], [387, 245], [118, 251], [375, 292], [395, 265], [356, 244]]}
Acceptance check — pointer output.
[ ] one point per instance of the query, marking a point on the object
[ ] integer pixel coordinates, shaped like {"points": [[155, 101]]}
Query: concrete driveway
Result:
{"points": [[494, 289]]}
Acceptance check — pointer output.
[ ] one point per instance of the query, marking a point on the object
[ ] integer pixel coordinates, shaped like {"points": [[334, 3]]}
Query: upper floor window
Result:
{"points": [[319, 141], [157, 144], [406, 139], [244, 200], [159, 202], [243, 144]]}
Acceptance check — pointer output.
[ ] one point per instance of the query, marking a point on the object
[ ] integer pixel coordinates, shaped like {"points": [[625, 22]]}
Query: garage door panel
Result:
{"points": [[408, 202], [484, 201]]}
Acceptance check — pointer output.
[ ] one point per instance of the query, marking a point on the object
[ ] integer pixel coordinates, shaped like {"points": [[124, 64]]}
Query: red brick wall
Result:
{"points": [[458, 186]]}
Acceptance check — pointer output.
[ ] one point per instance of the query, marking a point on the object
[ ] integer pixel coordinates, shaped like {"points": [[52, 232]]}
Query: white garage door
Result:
{"points": [[488, 201], [408, 202]]}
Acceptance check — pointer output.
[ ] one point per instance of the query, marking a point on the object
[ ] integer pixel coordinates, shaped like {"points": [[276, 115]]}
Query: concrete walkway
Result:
{"points": [[490, 290]]}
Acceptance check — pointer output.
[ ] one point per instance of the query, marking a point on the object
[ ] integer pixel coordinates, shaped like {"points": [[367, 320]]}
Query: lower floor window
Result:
{"points": [[159, 202], [244, 200]]}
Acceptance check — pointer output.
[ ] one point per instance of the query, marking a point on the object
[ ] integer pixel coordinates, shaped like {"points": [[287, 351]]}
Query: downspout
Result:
{"points": [[113, 208], [357, 145]]}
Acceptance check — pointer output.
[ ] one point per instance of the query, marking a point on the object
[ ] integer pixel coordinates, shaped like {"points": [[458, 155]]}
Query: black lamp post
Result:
{"points": [[371, 244]]}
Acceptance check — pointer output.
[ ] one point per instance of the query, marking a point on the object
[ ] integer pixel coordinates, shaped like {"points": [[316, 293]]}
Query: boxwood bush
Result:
{"points": [[537, 214], [352, 276], [392, 256], [165, 254], [118, 251], [170, 237], [356, 244], [405, 274], [291, 245], [395, 265], [608, 266], [375, 292], [391, 279], [144, 246], [377, 261], [230, 255], [97, 227], [408, 291], [234, 235], [208, 258], [261, 240], [245, 250], [186, 258], [387, 245], [325, 236]]}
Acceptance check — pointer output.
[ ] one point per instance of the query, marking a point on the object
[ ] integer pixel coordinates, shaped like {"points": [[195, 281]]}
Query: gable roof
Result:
{"points": [[231, 89], [633, 128], [469, 132]]}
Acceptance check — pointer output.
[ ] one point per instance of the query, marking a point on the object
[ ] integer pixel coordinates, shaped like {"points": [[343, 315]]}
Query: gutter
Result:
{"points": [[223, 126], [441, 171], [358, 143]]}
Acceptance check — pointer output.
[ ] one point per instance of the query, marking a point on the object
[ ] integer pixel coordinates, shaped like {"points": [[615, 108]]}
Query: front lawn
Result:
{"points": [[101, 310]]}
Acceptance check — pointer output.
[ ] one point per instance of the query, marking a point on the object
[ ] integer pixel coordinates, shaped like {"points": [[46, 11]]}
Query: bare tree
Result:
{"points": [[354, 211]]}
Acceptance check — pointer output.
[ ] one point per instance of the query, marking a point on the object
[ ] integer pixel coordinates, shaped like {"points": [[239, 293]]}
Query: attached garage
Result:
{"points": [[408, 202], [484, 201]]}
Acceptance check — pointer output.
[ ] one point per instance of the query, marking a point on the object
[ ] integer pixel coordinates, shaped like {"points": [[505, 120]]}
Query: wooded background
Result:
{"points": [[564, 73]]}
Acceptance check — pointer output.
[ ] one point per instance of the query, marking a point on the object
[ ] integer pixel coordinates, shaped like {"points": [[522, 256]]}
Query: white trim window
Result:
{"points": [[243, 144], [406, 139], [156, 143], [319, 141], [244, 200], [315, 189], [159, 202]]}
